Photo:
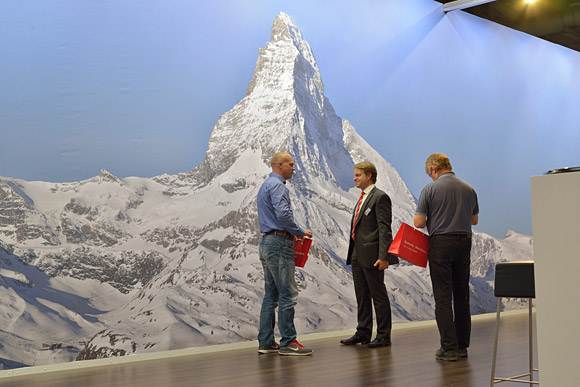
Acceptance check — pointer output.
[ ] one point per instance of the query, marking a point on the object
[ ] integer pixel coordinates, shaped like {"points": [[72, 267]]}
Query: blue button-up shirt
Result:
{"points": [[274, 208]]}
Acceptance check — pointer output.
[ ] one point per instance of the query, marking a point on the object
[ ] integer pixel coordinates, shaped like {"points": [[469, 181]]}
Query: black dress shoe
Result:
{"points": [[355, 339], [376, 343]]}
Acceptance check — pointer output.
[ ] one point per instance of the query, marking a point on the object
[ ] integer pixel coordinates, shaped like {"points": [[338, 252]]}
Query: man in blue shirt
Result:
{"points": [[448, 207], [277, 256]]}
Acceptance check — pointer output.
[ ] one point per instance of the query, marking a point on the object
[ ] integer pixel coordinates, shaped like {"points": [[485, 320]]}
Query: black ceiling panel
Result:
{"points": [[557, 21]]}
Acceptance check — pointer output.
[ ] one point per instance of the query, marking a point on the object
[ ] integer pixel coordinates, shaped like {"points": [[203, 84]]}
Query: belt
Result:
{"points": [[451, 236], [281, 233]]}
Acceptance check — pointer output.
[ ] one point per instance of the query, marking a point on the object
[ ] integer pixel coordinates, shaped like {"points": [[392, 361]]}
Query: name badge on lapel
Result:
{"points": [[367, 211]]}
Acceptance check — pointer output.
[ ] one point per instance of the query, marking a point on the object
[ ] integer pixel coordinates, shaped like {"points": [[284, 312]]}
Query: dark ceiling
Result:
{"points": [[557, 21]]}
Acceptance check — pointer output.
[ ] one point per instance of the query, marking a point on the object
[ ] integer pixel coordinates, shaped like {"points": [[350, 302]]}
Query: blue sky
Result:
{"points": [[135, 87]]}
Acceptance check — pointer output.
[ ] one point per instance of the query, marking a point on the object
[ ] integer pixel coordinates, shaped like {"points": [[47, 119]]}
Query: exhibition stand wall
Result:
{"points": [[556, 236]]}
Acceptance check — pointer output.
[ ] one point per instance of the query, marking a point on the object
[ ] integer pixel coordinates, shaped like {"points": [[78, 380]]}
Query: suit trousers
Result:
{"points": [[449, 261], [369, 288]]}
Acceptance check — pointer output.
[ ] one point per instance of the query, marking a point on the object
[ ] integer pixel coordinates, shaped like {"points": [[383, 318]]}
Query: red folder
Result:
{"points": [[411, 245], [301, 248]]}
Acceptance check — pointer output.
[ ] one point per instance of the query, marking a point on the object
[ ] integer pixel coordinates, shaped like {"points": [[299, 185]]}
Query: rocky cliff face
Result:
{"points": [[177, 256]]}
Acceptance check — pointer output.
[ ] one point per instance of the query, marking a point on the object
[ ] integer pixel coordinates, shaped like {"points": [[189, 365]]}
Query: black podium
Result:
{"points": [[514, 279]]}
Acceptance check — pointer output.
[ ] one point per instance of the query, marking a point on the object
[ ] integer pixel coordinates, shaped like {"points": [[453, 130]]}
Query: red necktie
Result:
{"points": [[360, 200]]}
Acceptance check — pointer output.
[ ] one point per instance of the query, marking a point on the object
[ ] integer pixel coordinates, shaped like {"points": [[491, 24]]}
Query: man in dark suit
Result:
{"points": [[370, 239]]}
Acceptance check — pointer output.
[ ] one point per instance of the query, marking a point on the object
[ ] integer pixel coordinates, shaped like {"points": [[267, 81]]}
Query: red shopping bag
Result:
{"points": [[301, 248], [411, 245]]}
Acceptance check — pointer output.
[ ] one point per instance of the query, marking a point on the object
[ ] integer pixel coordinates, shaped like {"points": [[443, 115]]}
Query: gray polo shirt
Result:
{"points": [[448, 203]]}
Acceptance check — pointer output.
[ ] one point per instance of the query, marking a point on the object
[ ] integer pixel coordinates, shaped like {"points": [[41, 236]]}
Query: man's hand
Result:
{"points": [[382, 264], [308, 233]]}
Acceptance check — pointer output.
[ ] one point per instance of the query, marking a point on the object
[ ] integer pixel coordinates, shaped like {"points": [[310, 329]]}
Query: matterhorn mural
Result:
{"points": [[113, 266]]}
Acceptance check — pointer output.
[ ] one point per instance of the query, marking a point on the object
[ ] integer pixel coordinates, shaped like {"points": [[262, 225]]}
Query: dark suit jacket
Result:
{"points": [[373, 235]]}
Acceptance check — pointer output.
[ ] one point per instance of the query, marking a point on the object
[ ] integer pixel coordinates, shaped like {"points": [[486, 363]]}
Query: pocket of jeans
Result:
{"points": [[270, 242]]}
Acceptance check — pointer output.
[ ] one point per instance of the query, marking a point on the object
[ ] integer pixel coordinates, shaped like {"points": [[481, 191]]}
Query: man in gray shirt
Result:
{"points": [[448, 207]]}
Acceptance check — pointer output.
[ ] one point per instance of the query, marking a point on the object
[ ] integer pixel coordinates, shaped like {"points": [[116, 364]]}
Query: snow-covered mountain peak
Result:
{"points": [[284, 63], [284, 109], [285, 29], [282, 26], [105, 175]]}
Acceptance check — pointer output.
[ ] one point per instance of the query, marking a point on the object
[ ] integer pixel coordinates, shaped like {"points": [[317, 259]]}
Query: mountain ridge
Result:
{"points": [[177, 255]]}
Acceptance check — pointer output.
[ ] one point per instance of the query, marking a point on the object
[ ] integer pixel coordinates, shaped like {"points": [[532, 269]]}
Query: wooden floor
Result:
{"points": [[409, 362]]}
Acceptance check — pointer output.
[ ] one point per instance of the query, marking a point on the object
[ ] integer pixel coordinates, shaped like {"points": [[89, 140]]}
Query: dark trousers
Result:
{"points": [[369, 288], [449, 260]]}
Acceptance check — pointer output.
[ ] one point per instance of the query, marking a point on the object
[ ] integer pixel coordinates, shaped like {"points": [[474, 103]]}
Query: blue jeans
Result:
{"points": [[277, 257]]}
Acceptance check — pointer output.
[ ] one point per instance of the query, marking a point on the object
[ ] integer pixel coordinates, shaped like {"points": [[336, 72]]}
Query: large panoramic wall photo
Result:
{"points": [[133, 153]]}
